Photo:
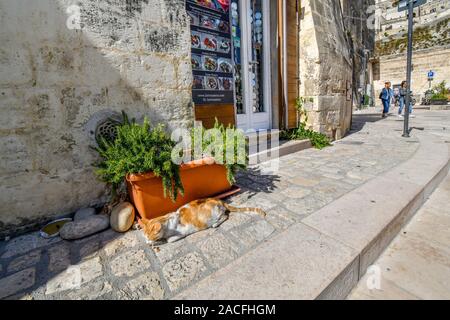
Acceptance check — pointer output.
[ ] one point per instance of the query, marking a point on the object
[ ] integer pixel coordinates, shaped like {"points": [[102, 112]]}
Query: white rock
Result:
{"points": [[122, 217]]}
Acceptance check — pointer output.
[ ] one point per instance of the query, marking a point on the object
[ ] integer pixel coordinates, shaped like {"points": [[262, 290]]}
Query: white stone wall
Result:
{"points": [[325, 67], [130, 55], [393, 68]]}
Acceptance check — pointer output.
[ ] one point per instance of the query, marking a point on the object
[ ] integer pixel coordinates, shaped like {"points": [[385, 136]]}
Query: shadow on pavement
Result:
{"points": [[359, 120]]}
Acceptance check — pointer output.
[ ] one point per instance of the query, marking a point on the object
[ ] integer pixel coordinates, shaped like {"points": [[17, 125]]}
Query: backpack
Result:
{"points": [[381, 94]]}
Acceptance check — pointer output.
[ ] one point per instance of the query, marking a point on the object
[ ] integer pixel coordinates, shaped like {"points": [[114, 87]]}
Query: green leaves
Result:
{"points": [[142, 148], [318, 140], [226, 145], [440, 91], [139, 149]]}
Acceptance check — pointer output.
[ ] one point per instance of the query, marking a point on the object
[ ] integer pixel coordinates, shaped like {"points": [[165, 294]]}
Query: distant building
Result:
{"points": [[431, 44], [394, 22]]}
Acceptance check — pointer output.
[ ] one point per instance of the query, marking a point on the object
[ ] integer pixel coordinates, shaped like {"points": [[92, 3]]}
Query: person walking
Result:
{"points": [[386, 96], [403, 91]]}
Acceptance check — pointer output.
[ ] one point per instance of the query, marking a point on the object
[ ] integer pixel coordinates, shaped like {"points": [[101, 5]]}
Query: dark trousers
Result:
{"points": [[386, 105]]}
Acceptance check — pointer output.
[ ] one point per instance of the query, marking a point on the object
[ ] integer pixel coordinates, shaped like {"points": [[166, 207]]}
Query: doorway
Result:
{"points": [[250, 20]]}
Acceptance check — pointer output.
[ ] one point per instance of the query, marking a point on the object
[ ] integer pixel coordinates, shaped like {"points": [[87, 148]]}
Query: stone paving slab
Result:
{"points": [[297, 264], [101, 267], [364, 220], [417, 263], [368, 218]]}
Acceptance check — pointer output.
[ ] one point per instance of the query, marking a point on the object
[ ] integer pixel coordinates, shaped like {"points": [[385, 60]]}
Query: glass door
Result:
{"points": [[250, 32]]}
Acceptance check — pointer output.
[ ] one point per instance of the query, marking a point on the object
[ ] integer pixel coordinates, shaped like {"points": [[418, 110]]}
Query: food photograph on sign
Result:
{"points": [[222, 5], [196, 61], [226, 83], [225, 65], [209, 42], [209, 63], [224, 45], [196, 40], [198, 82]]}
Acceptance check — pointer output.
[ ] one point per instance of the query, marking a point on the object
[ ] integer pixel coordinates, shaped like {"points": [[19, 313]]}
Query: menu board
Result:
{"points": [[211, 55]]}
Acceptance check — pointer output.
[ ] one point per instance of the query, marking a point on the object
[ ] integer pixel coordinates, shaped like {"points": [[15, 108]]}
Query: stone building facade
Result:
{"points": [[68, 65], [393, 22], [336, 44], [431, 45], [393, 68], [56, 73]]}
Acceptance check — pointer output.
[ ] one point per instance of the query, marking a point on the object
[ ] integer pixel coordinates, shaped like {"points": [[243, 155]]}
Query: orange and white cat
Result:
{"points": [[195, 216]]}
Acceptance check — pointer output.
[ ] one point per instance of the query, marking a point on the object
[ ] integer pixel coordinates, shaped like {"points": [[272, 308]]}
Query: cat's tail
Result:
{"points": [[259, 211]]}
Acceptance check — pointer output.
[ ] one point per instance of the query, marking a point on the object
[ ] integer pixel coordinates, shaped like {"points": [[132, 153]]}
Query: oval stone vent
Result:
{"points": [[106, 130], [102, 125]]}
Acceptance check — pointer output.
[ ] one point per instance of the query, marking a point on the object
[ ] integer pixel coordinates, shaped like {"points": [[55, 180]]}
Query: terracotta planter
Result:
{"points": [[200, 180]]}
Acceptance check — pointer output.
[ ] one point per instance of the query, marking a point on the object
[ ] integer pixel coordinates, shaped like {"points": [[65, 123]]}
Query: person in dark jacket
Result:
{"points": [[386, 96], [403, 91]]}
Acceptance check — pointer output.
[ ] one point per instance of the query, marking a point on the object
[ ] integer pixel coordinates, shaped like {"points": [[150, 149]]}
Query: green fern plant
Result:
{"points": [[139, 148], [235, 141], [318, 140]]}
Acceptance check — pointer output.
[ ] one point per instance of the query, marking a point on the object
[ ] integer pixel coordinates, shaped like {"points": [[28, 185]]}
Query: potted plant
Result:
{"points": [[440, 94], [142, 156], [439, 99]]}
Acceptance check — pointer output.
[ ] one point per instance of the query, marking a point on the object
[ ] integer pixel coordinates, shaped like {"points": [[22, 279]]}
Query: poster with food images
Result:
{"points": [[211, 51]]}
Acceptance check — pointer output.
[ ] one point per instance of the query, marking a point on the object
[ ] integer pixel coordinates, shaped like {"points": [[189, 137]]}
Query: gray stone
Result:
{"points": [[169, 251], [59, 258], [122, 217], [75, 276], [130, 263], [118, 244], [303, 181], [254, 233], [25, 261], [218, 250], [416, 264], [84, 213], [96, 290], [295, 192], [144, 287], [235, 220], [83, 228], [89, 249], [296, 264], [280, 218], [345, 221], [26, 243], [183, 271], [17, 282], [198, 236]]}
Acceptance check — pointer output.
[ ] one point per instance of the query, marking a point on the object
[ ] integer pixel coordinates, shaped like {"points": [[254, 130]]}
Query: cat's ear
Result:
{"points": [[157, 227]]}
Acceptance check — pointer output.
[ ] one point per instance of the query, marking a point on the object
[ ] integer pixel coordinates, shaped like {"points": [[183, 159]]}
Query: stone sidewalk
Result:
{"points": [[416, 265], [114, 266]]}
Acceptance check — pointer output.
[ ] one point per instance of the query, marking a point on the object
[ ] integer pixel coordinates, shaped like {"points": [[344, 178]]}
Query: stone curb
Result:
{"points": [[284, 149], [324, 255]]}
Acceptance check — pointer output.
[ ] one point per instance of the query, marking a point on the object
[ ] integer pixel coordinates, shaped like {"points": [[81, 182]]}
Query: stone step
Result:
{"points": [[285, 147], [324, 255]]}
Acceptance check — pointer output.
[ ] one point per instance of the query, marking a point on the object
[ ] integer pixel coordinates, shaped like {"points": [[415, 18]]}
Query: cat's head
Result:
{"points": [[153, 229]]}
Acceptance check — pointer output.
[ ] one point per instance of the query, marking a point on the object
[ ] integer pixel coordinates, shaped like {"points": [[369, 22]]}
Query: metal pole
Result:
{"points": [[409, 67]]}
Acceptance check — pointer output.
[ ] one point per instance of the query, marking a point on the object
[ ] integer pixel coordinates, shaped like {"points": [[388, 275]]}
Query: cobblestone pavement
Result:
{"points": [[122, 266]]}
